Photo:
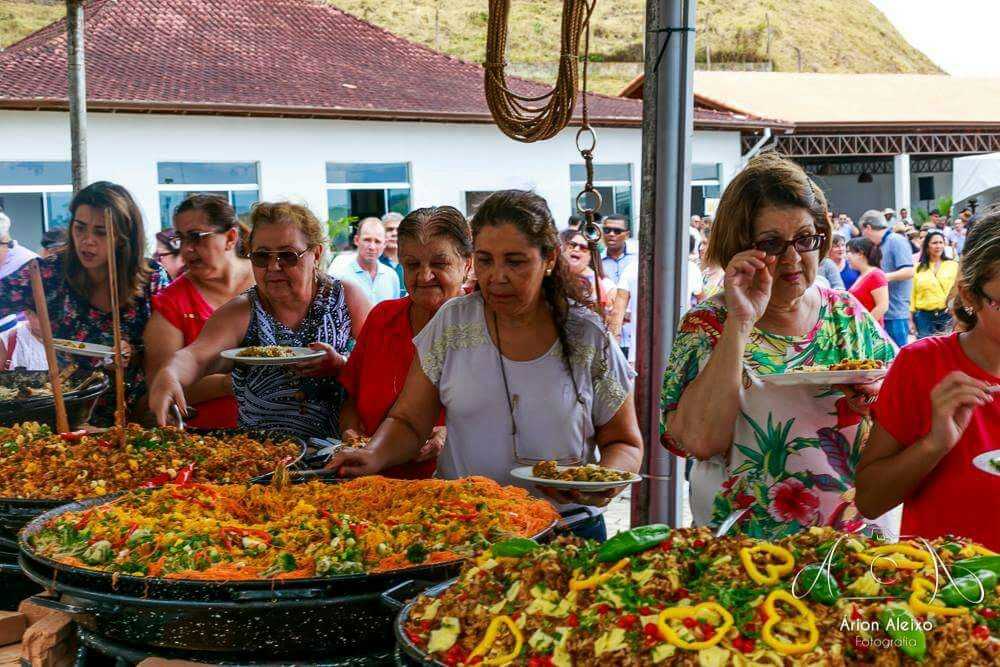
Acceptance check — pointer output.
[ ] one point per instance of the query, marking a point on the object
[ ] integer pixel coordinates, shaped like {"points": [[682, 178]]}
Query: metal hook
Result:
{"points": [[585, 209]]}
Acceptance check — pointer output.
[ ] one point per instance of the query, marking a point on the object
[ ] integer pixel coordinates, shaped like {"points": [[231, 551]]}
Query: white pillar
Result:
{"points": [[901, 181]]}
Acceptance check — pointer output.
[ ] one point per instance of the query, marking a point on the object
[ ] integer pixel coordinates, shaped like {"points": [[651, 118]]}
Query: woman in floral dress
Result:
{"points": [[78, 293], [788, 453]]}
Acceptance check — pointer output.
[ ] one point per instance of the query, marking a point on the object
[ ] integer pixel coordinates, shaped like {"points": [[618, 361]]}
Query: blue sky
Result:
{"points": [[958, 35]]}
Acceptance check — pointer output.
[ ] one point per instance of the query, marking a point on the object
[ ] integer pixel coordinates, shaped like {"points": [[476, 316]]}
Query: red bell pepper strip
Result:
{"points": [[184, 475], [84, 520], [73, 436], [158, 480], [121, 542]]}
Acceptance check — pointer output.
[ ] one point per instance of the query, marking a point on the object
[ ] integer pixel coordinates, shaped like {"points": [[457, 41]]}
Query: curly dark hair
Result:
{"points": [[530, 215]]}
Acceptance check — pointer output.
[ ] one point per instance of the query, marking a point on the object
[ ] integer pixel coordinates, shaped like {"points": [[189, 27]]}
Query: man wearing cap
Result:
{"points": [[897, 264], [889, 214], [13, 255]]}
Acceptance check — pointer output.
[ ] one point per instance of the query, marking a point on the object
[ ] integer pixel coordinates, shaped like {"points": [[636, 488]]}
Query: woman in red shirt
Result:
{"points": [[940, 408], [209, 236], [435, 250], [871, 288]]}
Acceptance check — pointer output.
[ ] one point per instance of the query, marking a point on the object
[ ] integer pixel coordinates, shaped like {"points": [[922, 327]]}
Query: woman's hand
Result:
{"points": [[434, 444], [952, 402], [352, 462], [860, 397], [747, 286], [568, 496], [165, 392], [329, 364]]}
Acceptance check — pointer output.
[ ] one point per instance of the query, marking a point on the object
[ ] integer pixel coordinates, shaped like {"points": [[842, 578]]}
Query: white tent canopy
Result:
{"points": [[976, 177]]}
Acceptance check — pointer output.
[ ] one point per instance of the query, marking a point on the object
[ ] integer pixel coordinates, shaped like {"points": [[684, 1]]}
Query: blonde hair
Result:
{"points": [[768, 180], [980, 264], [283, 212]]}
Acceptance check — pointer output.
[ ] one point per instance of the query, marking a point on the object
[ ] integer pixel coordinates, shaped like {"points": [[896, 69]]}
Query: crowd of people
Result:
{"points": [[468, 347]]}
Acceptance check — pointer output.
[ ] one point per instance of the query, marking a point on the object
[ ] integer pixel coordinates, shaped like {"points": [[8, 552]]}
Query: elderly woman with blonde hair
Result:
{"points": [[293, 303], [786, 454]]}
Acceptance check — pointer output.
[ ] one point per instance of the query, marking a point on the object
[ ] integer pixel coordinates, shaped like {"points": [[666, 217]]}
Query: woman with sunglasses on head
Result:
{"points": [[168, 252], [78, 292], [940, 409], [932, 283], [207, 236], [523, 371], [784, 453], [293, 303], [577, 252]]}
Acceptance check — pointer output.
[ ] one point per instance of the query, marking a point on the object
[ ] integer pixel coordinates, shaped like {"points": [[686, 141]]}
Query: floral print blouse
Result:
{"points": [[795, 448], [74, 318]]}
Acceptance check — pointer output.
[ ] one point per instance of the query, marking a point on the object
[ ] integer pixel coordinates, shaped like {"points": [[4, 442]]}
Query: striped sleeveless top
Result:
{"points": [[276, 397]]}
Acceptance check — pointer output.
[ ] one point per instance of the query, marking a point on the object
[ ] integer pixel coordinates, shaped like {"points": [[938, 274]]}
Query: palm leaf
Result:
{"points": [[751, 454], [838, 451]]}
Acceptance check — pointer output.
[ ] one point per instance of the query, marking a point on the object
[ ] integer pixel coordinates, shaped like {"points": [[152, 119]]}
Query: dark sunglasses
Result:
{"points": [[614, 230], [286, 258], [578, 246], [778, 247], [193, 238]]}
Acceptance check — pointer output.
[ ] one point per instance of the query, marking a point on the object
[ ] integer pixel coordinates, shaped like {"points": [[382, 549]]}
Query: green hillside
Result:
{"points": [[827, 35]]}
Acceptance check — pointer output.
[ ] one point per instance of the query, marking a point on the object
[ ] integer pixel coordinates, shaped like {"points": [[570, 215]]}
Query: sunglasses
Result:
{"points": [[578, 246], [614, 230], [262, 259], [158, 256], [192, 238], [778, 247]]}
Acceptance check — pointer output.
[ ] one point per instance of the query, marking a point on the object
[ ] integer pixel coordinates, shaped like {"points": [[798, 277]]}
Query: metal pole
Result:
{"points": [[77, 92], [668, 132]]}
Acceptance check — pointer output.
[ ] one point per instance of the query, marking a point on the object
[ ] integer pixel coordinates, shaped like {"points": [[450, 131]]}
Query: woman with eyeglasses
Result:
{"points": [[293, 303], [940, 409], [783, 453], [78, 292], [208, 236], [577, 252], [523, 372], [168, 252]]}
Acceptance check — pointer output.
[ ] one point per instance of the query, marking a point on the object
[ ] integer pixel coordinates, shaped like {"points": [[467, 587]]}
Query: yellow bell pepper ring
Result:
{"points": [[668, 633], [598, 578], [774, 572], [491, 636], [896, 554], [774, 617], [922, 590]]}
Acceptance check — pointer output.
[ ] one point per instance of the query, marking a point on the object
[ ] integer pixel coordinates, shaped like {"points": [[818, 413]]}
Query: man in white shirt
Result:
{"points": [[378, 281], [12, 254], [846, 227]]}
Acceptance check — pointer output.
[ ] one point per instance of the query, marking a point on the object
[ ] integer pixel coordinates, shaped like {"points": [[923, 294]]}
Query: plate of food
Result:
{"points": [[988, 462], [271, 355], [83, 349], [851, 371], [589, 477]]}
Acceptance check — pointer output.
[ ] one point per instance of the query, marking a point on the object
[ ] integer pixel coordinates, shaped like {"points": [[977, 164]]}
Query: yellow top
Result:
{"points": [[931, 288]]}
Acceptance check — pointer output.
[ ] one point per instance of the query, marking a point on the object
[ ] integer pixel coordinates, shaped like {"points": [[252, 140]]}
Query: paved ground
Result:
{"points": [[618, 515]]}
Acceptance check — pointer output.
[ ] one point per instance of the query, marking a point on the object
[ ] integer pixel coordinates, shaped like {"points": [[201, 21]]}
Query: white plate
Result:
{"points": [[301, 354], [983, 462], [824, 377], [88, 349], [524, 473]]}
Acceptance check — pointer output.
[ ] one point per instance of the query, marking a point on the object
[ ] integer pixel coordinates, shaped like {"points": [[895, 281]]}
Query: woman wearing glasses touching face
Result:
{"points": [[523, 372], [940, 409], [785, 452], [207, 235], [294, 304]]}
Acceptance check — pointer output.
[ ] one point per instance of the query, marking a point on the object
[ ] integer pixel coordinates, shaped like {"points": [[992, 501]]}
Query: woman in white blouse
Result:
{"points": [[523, 372]]}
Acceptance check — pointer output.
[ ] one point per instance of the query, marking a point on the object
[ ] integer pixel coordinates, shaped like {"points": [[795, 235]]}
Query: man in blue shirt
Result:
{"points": [[616, 257], [897, 264], [378, 281], [390, 256]]}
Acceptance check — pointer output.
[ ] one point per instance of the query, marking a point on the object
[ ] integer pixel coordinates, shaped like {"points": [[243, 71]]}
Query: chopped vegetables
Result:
{"points": [[772, 571]]}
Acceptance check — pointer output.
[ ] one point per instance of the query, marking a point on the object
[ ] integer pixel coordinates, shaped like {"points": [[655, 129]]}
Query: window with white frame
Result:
{"points": [[35, 195], [613, 181], [705, 187], [363, 189], [238, 182]]}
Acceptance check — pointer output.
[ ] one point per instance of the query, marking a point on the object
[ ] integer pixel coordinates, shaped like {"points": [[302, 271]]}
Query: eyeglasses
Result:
{"points": [[578, 246], [193, 238], [262, 259], [158, 256], [614, 230], [778, 247]]}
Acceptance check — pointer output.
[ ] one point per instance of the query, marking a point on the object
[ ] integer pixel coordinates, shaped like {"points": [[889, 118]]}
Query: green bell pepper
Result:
{"points": [[822, 587], [901, 626], [632, 542], [966, 590], [970, 565], [515, 547]]}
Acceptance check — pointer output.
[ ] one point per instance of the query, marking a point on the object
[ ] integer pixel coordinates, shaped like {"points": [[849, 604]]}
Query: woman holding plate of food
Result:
{"points": [[784, 453], [524, 372], [939, 413], [78, 292], [293, 304]]}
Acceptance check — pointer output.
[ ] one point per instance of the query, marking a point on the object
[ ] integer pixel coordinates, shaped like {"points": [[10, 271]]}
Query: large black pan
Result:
{"points": [[316, 614], [404, 605], [79, 404]]}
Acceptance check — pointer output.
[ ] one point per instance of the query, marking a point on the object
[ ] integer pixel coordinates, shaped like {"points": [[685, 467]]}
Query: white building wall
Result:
{"points": [[845, 193], [446, 159]]}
